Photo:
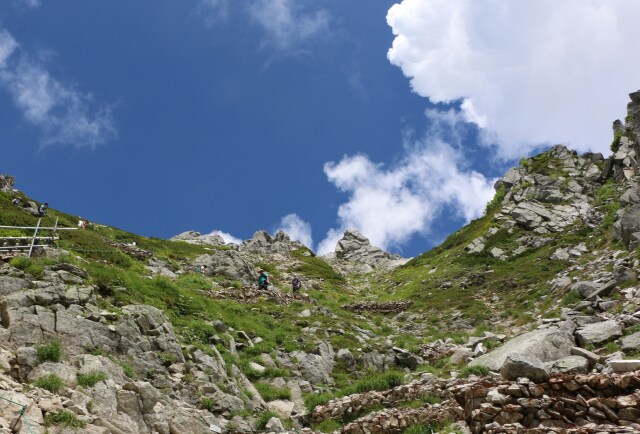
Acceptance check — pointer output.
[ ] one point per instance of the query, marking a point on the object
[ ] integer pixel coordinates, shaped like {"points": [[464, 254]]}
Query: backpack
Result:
{"points": [[263, 278], [296, 283]]}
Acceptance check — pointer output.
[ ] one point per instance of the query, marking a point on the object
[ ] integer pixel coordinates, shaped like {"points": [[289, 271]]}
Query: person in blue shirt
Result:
{"points": [[263, 280]]}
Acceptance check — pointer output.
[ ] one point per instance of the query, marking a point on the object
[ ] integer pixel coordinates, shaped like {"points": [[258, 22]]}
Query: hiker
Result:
{"points": [[82, 223], [296, 284], [43, 208], [263, 280], [17, 201]]}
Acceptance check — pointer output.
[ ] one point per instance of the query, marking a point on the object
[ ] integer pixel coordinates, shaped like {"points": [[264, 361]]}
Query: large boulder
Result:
{"points": [[628, 224], [229, 264], [546, 345], [598, 333], [631, 342], [317, 366], [590, 290], [10, 284], [569, 365], [517, 365]]}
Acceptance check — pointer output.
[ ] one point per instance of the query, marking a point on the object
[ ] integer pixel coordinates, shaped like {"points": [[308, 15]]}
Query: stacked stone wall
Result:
{"points": [[569, 403]]}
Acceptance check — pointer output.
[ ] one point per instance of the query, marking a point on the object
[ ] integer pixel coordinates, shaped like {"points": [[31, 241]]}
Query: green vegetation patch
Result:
{"points": [[312, 266], [51, 352], [263, 419], [473, 370], [271, 393], [51, 382], [92, 378], [207, 403], [64, 418], [373, 381]]}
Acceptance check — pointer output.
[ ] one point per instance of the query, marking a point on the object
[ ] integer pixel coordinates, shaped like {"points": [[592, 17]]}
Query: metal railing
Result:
{"points": [[15, 243]]}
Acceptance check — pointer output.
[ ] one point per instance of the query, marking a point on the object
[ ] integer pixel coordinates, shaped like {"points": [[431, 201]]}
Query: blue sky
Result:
{"points": [[161, 116]]}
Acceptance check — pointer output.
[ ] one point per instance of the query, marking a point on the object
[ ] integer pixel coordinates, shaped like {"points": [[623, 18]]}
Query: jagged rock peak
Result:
{"points": [[263, 242], [355, 247], [6, 183], [194, 237], [351, 241]]}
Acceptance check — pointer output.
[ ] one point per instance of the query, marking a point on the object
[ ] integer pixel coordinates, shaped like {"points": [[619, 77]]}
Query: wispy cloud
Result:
{"points": [[529, 73], [213, 11], [391, 204], [64, 114], [30, 3], [297, 229], [289, 25], [7, 46]]}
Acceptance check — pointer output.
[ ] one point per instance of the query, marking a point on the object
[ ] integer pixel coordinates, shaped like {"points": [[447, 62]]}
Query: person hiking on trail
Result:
{"points": [[296, 284], [263, 280], [43, 208]]}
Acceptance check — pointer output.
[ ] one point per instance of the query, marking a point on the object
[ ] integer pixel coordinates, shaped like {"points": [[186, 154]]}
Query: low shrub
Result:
{"points": [[382, 381], [64, 418], [50, 352], [90, 379], [271, 393], [263, 419], [473, 370], [313, 400], [207, 403], [51, 382], [28, 265]]}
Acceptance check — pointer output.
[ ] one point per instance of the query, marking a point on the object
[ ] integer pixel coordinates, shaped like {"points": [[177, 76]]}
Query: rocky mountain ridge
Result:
{"points": [[525, 320]]}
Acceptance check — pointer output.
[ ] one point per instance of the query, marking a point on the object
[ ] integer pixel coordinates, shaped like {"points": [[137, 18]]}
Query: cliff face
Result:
{"points": [[525, 320]]}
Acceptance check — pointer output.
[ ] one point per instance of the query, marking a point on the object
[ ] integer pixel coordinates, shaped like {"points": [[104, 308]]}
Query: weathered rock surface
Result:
{"points": [[546, 345], [263, 243], [228, 263], [598, 333], [516, 366], [631, 342], [6, 183], [316, 367], [193, 237], [569, 365], [355, 248]]}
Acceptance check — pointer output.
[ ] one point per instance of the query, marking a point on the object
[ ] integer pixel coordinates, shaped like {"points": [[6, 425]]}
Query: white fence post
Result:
{"points": [[33, 241]]}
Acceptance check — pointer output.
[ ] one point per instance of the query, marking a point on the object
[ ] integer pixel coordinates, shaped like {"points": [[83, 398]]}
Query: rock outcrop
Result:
{"points": [[193, 237], [263, 243], [6, 183], [228, 263], [356, 250]]}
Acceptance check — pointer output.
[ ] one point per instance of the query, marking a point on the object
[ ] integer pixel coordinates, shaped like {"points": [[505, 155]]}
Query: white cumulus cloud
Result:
{"points": [[297, 229], [227, 237], [64, 114], [389, 205], [528, 72], [288, 24]]}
